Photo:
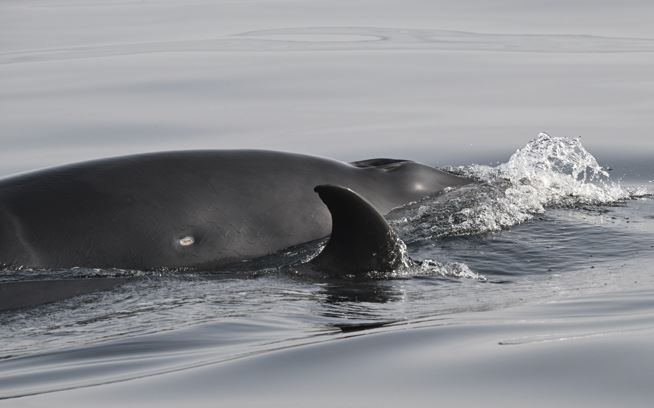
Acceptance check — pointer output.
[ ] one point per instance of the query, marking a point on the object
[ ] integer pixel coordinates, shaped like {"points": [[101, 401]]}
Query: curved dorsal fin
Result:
{"points": [[361, 240]]}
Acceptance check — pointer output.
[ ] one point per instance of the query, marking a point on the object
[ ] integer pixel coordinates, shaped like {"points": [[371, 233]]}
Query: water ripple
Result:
{"points": [[350, 39]]}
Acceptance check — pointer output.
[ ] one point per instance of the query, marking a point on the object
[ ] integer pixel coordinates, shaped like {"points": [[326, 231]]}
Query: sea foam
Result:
{"points": [[547, 172]]}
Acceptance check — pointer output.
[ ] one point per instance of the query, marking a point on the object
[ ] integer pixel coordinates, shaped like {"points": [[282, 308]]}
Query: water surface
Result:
{"points": [[532, 286]]}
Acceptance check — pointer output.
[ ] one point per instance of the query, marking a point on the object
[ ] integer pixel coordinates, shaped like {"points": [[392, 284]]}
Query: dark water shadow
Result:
{"points": [[27, 294]]}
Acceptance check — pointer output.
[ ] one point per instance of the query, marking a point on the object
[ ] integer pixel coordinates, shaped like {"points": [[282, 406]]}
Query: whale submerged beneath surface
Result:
{"points": [[197, 209]]}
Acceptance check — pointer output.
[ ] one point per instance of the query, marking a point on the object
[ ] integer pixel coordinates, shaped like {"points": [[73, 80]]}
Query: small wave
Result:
{"points": [[548, 172], [428, 268], [23, 273], [457, 270]]}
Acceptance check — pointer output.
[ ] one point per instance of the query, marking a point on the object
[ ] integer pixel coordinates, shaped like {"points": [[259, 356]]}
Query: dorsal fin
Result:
{"points": [[361, 240]]}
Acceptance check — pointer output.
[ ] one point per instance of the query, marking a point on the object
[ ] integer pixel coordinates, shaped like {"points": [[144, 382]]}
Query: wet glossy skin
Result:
{"points": [[188, 208]]}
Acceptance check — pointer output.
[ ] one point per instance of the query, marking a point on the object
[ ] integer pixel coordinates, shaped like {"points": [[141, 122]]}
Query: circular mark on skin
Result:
{"points": [[186, 241]]}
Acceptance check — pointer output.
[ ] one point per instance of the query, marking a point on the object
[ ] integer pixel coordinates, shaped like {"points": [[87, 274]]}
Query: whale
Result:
{"points": [[205, 209]]}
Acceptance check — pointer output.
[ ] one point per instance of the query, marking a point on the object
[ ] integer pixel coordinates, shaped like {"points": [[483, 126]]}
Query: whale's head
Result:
{"points": [[404, 181]]}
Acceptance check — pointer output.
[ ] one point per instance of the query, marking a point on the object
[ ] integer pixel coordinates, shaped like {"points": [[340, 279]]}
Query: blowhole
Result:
{"points": [[380, 163]]}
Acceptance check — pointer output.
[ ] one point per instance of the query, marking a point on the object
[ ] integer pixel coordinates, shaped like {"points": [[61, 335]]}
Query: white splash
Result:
{"points": [[548, 172], [555, 171], [456, 270]]}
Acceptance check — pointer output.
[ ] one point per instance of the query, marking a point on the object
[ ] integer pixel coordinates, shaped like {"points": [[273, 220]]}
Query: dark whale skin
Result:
{"points": [[202, 208]]}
